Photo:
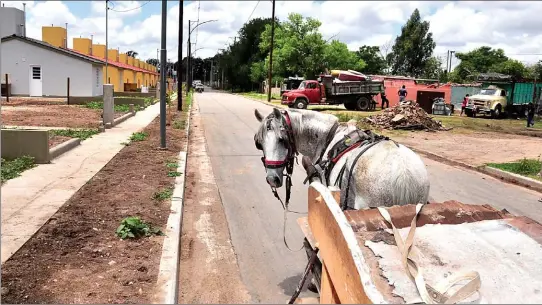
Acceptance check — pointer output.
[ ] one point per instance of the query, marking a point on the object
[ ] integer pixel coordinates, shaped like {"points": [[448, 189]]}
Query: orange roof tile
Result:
{"points": [[117, 64]]}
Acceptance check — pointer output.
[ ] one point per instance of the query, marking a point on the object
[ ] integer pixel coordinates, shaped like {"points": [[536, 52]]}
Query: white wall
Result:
{"points": [[10, 21], [97, 80], [18, 56]]}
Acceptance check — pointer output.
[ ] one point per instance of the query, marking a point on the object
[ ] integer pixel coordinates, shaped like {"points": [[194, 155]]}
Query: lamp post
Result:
{"points": [[189, 53]]}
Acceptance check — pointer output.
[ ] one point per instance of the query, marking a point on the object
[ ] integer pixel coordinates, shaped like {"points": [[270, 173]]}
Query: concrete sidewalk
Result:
{"points": [[31, 199]]}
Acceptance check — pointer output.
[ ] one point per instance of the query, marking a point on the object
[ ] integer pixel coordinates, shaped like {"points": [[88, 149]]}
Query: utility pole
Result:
{"points": [[163, 78], [106, 42], [447, 61], [180, 59], [188, 60], [271, 54], [451, 56]]}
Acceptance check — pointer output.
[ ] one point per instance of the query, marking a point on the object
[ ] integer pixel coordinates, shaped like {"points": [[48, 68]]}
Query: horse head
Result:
{"points": [[275, 139]]}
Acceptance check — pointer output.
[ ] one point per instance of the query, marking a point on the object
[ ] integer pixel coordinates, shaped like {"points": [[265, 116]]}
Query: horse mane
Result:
{"points": [[265, 127]]}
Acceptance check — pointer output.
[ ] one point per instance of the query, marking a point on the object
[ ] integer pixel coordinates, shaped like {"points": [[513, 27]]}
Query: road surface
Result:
{"points": [[255, 218]]}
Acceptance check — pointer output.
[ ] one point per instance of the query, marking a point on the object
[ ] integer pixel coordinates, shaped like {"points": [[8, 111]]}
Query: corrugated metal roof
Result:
{"points": [[53, 48]]}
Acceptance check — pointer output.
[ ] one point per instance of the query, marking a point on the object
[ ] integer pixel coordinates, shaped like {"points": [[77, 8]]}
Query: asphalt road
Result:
{"points": [[255, 218]]}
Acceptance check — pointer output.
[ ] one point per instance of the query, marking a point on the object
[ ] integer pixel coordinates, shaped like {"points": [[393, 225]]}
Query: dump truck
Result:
{"points": [[501, 94], [498, 100], [329, 90]]}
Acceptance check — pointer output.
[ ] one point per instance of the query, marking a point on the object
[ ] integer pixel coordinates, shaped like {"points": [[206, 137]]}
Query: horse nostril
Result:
{"points": [[273, 181]]}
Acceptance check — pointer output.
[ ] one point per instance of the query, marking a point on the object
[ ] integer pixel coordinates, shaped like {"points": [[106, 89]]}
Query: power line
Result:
{"points": [[253, 10], [142, 5]]}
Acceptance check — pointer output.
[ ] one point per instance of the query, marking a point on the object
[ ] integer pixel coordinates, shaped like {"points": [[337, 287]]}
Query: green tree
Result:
{"points": [[132, 53], [535, 71], [433, 69], [153, 61], [511, 67], [375, 63], [257, 72], [413, 48], [486, 59], [298, 46], [481, 59], [337, 56]]}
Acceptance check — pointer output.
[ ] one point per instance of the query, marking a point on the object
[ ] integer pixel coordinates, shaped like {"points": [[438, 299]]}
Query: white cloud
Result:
{"points": [[458, 25]]}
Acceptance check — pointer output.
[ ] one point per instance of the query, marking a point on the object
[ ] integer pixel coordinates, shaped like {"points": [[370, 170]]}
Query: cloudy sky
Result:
{"points": [[135, 25]]}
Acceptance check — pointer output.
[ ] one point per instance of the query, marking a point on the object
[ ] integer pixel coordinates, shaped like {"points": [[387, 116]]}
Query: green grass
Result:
{"points": [[179, 123], [259, 96], [172, 169], [13, 168], [163, 194], [138, 136], [525, 167], [99, 105], [82, 134]]}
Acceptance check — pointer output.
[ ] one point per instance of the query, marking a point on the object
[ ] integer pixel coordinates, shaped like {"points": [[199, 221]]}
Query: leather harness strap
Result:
{"points": [[440, 294]]}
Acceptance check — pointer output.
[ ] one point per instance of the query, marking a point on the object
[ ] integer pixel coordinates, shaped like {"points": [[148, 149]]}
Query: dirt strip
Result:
{"points": [[76, 256], [208, 270]]}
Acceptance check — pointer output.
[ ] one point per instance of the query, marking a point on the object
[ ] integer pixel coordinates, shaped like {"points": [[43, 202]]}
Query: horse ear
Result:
{"points": [[258, 115], [276, 113]]}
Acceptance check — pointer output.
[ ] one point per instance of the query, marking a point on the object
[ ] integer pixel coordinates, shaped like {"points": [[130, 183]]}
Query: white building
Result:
{"points": [[37, 68]]}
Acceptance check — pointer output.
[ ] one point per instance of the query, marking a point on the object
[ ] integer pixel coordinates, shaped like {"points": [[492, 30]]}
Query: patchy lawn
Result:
{"points": [[13, 168], [261, 96], [68, 116], [79, 255], [525, 167], [58, 136]]}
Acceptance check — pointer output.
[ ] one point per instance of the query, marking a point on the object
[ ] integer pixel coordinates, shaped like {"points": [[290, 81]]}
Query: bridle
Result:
{"points": [[288, 163]]}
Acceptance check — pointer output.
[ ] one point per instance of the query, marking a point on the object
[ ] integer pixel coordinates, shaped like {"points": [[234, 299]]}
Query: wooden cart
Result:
{"points": [[352, 273]]}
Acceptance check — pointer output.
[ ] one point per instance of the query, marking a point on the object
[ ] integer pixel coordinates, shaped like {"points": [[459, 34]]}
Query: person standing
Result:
{"points": [[464, 104], [530, 114], [384, 100], [402, 94]]}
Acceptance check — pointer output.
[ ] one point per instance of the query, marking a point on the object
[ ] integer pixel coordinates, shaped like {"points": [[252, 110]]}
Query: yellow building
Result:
{"points": [[121, 69], [55, 35]]}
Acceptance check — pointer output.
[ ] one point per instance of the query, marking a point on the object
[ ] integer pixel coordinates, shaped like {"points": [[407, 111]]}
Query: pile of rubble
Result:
{"points": [[407, 115]]}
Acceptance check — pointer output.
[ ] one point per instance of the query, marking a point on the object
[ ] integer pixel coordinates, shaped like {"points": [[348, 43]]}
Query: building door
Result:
{"points": [[35, 86]]}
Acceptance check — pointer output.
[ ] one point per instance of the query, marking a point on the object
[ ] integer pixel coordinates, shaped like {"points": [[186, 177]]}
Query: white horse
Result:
{"points": [[386, 174]]}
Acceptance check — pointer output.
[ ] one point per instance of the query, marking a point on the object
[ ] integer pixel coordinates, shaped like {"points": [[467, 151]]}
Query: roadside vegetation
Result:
{"points": [[261, 96], [134, 227], [82, 134], [525, 167], [99, 105], [13, 168]]}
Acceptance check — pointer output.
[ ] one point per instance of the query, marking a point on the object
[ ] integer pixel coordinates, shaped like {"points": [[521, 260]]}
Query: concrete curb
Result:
{"points": [[121, 119], [167, 285], [63, 148], [490, 171]]}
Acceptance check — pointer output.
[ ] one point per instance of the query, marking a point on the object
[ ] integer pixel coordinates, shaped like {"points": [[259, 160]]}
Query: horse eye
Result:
{"points": [[258, 145]]}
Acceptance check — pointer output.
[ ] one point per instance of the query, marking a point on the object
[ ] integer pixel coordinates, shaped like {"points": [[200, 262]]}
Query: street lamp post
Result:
{"points": [[163, 77], [189, 53]]}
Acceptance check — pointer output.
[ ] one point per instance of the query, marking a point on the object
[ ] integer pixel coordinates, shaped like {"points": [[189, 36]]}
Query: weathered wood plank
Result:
{"points": [[334, 249]]}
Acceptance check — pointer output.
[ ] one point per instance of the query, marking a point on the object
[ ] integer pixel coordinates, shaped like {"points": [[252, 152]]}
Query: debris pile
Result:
{"points": [[407, 115]]}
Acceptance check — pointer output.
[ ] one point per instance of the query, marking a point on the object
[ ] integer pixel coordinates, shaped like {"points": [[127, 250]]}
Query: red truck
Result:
{"points": [[327, 90]]}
